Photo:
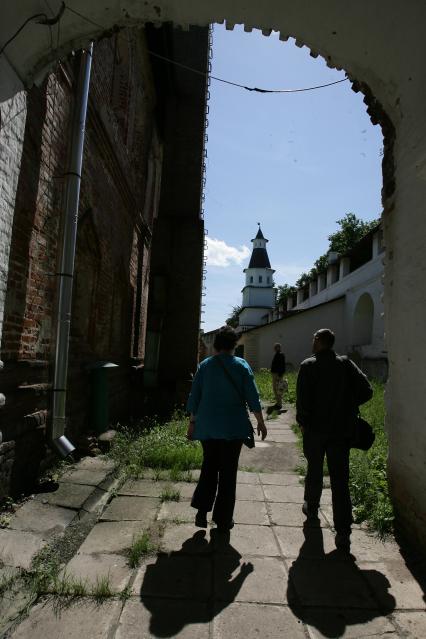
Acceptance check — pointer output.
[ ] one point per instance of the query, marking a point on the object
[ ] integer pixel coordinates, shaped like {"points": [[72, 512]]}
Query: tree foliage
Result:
{"points": [[351, 231], [233, 318], [303, 280], [283, 292]]}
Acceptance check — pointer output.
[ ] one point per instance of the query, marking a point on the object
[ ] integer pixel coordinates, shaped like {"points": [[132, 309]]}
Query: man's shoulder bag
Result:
{"points": [[362, 435], [249, 440]]}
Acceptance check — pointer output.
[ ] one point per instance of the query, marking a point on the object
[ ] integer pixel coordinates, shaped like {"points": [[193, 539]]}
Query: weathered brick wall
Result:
{"points": [[117, 206], [12, 123]]}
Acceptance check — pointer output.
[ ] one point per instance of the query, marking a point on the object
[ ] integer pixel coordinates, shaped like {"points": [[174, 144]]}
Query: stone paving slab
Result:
{"points": [[367, 547], [132, 509], [13, 600], [329, 583], [412, 624], [250, 491], [111, 537], [91, 568], [255, 621], [41, 518], [164, 618], [186, 490], [284, 438], [293, 542], [178, 511], [248, 540], [95, 463], [18, 547], [280, 479], [175, 576], [86, 619], [327, 511], [258, 579], [143, 488], [290, 494], [93, 477], [186, 538], [350, 624], [67, 495], [284, 514], [405, 590], [152, 473], [251, 512], [245, 477]]}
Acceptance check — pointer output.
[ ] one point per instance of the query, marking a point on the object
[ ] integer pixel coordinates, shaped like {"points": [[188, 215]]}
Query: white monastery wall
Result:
{"points": [[295, 335]]}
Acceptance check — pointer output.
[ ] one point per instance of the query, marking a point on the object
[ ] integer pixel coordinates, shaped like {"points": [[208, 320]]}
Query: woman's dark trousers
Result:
{"points": [[315, 447], [218, 479]]}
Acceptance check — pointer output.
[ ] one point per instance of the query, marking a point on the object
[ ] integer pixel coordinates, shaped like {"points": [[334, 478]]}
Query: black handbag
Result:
{"points": [[362, 435], [249, 440]]}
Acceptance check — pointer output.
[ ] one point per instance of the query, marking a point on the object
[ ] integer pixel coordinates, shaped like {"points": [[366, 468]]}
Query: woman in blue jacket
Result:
{"points": [[221, 387]]}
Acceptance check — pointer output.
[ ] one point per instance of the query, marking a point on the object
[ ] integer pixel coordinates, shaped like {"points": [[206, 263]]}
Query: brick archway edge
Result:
{"points": [[382, 48]]}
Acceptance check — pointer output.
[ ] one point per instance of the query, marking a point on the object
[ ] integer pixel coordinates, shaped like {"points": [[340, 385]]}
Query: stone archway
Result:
{"points": [[375, 47], [362, 330]]}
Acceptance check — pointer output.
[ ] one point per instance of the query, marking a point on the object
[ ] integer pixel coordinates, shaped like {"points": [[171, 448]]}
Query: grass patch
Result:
{"points": [[157, 446], [141, 546], [102, 589], [264, 384], [368, 471], [169, 494]]}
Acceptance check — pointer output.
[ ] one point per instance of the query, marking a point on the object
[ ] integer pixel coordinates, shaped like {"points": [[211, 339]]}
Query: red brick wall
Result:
{"points": [[112, 253]]}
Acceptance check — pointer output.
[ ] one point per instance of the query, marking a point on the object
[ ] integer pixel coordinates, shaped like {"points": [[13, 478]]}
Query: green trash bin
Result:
{"points": [[99, 399]]}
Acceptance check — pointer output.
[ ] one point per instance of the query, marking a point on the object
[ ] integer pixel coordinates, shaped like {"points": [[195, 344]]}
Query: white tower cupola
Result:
{"points": [[258, 292]]}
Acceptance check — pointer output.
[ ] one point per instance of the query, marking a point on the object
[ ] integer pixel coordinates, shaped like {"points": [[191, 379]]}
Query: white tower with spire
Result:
{"points": [[259, 292]]}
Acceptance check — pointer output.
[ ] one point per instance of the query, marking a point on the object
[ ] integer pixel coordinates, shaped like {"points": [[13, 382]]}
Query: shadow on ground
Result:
{"points": [[178, 588], [329, 591]]}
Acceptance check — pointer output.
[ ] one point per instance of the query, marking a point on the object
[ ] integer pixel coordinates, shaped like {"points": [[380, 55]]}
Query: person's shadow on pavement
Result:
{"points": [[192, 585], [330, 592]]}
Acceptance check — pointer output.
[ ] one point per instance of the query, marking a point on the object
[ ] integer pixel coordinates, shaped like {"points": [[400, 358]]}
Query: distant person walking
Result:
{"points": [[221, 387], [278, 370], [330, 389]]}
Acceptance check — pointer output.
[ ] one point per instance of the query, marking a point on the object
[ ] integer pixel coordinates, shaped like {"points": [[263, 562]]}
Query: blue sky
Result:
{"points": [[296, 163]]}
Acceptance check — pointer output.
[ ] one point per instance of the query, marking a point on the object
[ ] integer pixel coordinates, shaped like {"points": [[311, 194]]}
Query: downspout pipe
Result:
{"points": [[66, 269]]}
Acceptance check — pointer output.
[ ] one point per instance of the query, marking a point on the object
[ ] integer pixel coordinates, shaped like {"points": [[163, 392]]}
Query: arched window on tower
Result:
{"points": [[251, 279], [260, 279], [363, 321]]}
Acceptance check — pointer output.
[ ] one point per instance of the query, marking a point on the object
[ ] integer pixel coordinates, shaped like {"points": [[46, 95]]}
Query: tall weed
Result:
{"points": [[160, 446]]}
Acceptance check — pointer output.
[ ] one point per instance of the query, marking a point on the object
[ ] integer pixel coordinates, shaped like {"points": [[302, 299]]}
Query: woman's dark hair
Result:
{"points": [[226, 339]]}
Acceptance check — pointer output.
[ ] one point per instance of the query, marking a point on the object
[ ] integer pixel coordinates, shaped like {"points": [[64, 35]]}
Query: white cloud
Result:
{"points": [[219, 253]]}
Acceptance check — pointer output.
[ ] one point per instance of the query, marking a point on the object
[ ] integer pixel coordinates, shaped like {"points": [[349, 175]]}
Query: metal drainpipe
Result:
{"points": [[66, 269]]}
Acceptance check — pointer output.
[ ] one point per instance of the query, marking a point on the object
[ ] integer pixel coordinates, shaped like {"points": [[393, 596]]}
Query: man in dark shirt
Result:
{"points": [[329, 390], [278, 370]]}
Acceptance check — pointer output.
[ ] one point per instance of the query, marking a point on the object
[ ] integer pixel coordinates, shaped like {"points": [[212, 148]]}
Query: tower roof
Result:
{"points": [[259, 259]]}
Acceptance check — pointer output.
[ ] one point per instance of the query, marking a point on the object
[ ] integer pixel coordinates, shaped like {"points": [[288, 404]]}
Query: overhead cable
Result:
{"points": [[43, 19], [213, 77]]}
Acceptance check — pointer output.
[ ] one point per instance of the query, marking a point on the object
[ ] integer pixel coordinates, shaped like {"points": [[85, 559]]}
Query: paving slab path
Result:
{"points": [[273, 577]]}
